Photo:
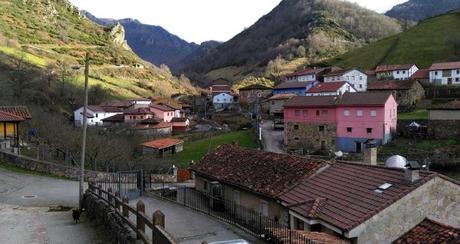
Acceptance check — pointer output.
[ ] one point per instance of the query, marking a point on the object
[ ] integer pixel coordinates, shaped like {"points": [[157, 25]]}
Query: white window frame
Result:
{"points": [[359, 113], [373, 113], [346, 113], [264, 208]]}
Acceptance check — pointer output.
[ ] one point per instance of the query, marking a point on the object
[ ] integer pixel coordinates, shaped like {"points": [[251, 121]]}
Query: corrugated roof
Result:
{"points": [[391, 85], [445, 66], [431, 232], [163, 143], [20, 111], [327, 87], [344, 193], [258, 171]]}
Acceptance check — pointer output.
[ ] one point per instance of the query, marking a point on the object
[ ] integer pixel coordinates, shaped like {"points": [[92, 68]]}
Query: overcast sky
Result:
{"points": [[198, 20]]}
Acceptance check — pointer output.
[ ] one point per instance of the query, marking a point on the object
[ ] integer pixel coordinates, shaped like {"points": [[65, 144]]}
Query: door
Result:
{"points": [[359, 147], [449, 81]]}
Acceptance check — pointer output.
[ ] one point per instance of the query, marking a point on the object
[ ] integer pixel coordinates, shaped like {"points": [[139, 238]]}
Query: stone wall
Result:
{"points": [[438, 199], [98, 210], [303, 136], [437, 129], [47, 167]]}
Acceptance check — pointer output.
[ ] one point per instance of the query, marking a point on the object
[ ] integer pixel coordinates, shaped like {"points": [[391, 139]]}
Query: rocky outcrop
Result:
{"points": [[117, 36]]}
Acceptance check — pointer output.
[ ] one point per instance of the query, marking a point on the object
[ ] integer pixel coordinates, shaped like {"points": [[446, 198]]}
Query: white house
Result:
{"points": [[331, 89], [354, 77], [222, 100], [307, 75], [395, 72], [445, 73], [95, 115]]}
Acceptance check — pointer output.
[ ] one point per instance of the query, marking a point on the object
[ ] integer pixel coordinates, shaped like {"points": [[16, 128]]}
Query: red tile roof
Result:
{"points": [[20, 111], [391, 85], [223, 88], [445, 66], [179, 120], [344, 196], [386, 68], [327, 87], [139, 111], [282, 96], [264, 173], [430, 232], [7, 117], [347, 99], [421, 74], [299, 237], [163, 143]]}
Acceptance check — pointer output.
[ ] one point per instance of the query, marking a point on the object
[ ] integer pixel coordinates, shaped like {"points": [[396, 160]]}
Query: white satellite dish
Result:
{"points": [[396, 161], [339, 154]]}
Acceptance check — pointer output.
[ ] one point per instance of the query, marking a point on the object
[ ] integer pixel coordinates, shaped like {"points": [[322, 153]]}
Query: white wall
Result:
{"points": [[303, 78], [222, 98], [342, 90], [355, 77], [404, 74], [442, 77], [98, 116]]}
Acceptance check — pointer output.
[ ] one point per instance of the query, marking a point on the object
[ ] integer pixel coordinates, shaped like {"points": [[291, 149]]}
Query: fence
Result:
{"points": [[127, 183], [250, 221], [135, 218]]}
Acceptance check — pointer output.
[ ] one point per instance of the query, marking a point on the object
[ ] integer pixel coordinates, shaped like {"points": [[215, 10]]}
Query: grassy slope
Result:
{"points": [[195, 150], [415, 115], [430, 41]]}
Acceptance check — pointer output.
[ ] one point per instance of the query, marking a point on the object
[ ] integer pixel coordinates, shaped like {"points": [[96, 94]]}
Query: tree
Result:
{"points": [[19, 80]]}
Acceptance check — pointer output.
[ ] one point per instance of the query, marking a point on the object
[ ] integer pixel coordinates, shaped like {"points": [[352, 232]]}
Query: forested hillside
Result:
{"points": [[416, 10]]}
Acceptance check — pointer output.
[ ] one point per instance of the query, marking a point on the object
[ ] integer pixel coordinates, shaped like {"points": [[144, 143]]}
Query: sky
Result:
{"points": [[199, 20]]}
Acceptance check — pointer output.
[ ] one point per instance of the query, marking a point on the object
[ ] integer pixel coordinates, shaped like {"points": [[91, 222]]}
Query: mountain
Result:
{"points": [[416, 10], [432, 40], [308, 29], [155, 44], [42, 42]]}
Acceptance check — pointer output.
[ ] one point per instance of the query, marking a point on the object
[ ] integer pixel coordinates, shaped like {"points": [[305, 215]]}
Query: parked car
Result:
{"points": [[239, 241]]}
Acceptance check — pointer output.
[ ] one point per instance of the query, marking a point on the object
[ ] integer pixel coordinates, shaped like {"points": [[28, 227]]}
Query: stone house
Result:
{"points": [[251, 93], [395, 72], [448, 111], [406, 92], [276, 108]]}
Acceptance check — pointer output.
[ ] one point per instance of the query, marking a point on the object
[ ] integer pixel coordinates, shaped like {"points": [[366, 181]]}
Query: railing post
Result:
{"points": [[140, 207], [125, 208], [99, 192], [109, 196], [117, 200], [159, 218]]}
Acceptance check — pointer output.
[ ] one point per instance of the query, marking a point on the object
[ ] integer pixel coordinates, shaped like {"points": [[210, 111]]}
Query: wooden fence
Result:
{"points": [[156, 224]]}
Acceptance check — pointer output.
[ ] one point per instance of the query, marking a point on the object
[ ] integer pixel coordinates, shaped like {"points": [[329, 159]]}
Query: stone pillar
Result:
{"points": [[370, 156]]}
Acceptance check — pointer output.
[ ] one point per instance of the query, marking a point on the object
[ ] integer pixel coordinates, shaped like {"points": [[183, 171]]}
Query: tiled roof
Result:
{"points": [[116, 118], [139, 111], [220, 82], [20, 111], [103, 109], [255, 87], [430, 232], [282, 96], [307, 71], [344, 196], [179, 120], [312, 101], [364, 99], [453, 105], [7, 117], [153, 125], [391, 85], [445, 66], [421, 74], [327, 87], [292, 85], [223, 88], [386, 68], [163, 143], [261, 172], [299, 236], [163, 108]]}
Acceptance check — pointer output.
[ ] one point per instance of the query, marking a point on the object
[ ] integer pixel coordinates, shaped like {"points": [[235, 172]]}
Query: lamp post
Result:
{"points": [[85, 125]]}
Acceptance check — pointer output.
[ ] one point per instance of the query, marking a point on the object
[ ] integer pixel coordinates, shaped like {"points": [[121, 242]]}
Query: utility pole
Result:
{"points": [[85, 125]]}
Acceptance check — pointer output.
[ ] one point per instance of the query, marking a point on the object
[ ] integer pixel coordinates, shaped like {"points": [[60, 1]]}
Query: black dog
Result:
{"points": [[76, 215]]}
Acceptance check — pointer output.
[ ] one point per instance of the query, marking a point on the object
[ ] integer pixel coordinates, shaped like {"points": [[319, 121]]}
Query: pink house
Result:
{"points": [[344, 123], [163, 112], [137, 115]]}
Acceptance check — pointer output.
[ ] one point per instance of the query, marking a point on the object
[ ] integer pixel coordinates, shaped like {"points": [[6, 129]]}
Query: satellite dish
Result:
{"points": [[339, 154], [396, 161]]}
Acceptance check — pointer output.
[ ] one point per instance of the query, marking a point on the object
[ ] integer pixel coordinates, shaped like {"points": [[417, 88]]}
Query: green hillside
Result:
{"points": [[435, 39], [41, 41]]}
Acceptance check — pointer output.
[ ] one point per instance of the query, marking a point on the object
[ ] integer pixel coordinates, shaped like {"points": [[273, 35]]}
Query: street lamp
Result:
{"points": [[85, 125]]}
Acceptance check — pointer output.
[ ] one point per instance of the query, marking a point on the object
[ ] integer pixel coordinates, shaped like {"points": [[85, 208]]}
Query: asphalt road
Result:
{"points": [[273, 139], [25, 215]]}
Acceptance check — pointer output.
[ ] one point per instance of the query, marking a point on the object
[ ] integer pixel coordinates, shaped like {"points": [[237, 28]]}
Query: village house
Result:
{"points": [[180, 124], [356, 202], [163, 112], [95, 115], [251, 93], [448, 111], [356, 78], [113, 121], [406, 92], [162, 147], [431, 232], [339, 123], [10, 118], [219, 86], [337, 88], [395, 72], [134, 116], [310, 74], [222, 100], [422, 76], [445, 73], [153, 128], [276, 108], [134, 103], [298, 88]]}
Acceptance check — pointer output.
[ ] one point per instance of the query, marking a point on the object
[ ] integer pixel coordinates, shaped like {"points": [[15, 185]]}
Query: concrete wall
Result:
{"points": [[438, 199]]}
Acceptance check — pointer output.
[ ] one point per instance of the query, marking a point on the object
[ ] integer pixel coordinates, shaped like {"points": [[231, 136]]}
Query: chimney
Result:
{"points": [[412, 172], [370, 155]]}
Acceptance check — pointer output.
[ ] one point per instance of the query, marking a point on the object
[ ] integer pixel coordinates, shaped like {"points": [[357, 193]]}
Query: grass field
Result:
{"points": [[29, 58], [414, 146], [16, 169], [415, 115], [195, 150]]}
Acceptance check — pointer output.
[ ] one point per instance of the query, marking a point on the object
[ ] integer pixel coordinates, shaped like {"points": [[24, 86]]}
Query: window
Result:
{"points": [[96, 115], [373, 113], [273, 102], [205, 185], [296, 127], [296, 139], [142, 117], [436, 73], [317, 112], [360, 85], [457, 79], [369, 130], [346, 113], [321, 128], [325, 113], [264, 207], [360, 78], [297, 113], [458, 72], [359, 113], [349, 129], [305, 113], [404, 72], [397, 72], [236, 196], [299, 224]]}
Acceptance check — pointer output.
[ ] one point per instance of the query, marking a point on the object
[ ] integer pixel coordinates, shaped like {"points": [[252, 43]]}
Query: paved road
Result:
{"points": [[191, 227], [28, 220], [273, 139]]}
